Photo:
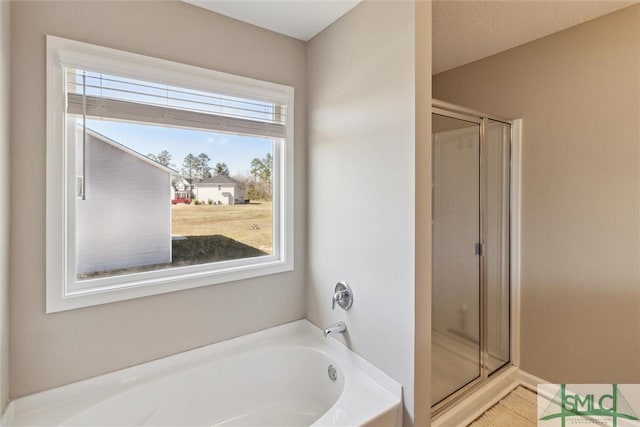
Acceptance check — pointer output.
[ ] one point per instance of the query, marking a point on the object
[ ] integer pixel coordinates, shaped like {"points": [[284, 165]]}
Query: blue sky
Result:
{"points": [[234, 150]]}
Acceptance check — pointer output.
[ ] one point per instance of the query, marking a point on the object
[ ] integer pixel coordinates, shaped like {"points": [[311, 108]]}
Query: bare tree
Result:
{"points": [[262, 171], [190, 166], [164, 158], [221, 169], [203, 168]]}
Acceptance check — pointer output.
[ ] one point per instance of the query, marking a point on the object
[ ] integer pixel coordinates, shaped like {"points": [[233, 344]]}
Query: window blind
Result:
{"points": [[108, 96]]}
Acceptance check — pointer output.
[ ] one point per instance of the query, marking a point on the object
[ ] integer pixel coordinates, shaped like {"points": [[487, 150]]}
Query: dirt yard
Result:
{"points": [[249, 224]]}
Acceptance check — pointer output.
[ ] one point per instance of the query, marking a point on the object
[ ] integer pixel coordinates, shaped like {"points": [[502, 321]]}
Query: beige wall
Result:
{"points": [[362, 143], [49, 350], [5, 36], [578, 93]]}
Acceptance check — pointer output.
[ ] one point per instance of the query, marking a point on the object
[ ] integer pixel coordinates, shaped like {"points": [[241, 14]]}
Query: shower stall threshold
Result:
{"points": [[467, 409]]}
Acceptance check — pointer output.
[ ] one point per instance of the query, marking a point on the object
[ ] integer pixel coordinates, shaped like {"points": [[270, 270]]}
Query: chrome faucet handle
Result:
{"points": [[338, 297], [343, 295]]}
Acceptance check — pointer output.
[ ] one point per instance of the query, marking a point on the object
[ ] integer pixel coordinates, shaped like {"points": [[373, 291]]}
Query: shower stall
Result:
{"points": [[471, 250]]}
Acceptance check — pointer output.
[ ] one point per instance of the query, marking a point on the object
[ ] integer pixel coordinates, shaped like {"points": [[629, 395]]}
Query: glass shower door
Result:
{"points": [[456, 286]]}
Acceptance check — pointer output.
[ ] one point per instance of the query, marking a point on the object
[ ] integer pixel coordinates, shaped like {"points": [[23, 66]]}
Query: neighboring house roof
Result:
{"points": [[218, 179], [128, 150]]}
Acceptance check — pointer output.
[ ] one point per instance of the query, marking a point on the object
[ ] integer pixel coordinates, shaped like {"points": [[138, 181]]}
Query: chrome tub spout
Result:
{"points": [[337, 328]]}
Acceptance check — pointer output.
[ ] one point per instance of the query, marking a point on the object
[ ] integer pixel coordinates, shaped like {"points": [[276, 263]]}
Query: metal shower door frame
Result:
{"points": [[453, 111]]}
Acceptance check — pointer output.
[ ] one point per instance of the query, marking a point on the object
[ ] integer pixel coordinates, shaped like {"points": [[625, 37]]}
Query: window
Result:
{"points": [[161, 176]]}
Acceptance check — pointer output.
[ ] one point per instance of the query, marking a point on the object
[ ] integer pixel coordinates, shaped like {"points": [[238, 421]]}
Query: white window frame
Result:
{"points": [[62, 289]]}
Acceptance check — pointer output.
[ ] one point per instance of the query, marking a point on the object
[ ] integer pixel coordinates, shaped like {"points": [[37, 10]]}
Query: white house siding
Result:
{"points": [[226, 195], [125, 220]]}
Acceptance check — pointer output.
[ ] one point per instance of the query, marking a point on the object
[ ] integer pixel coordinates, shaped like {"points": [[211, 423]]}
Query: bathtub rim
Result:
{"points": [[95, 389]]}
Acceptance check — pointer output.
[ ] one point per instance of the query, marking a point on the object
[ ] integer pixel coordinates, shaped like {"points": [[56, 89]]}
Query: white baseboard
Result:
{"points": [[479, 401], [530, 381]]}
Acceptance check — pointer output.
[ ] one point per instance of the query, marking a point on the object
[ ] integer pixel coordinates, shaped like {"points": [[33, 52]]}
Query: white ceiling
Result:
{"points": [[300, 19], [463, 30]]}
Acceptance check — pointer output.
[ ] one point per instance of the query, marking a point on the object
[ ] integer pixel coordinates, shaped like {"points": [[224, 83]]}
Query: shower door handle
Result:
{"points": [[478, 249]]}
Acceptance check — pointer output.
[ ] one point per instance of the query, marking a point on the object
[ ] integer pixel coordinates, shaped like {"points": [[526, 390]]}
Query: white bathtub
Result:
{"points": [[276, 377]]}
